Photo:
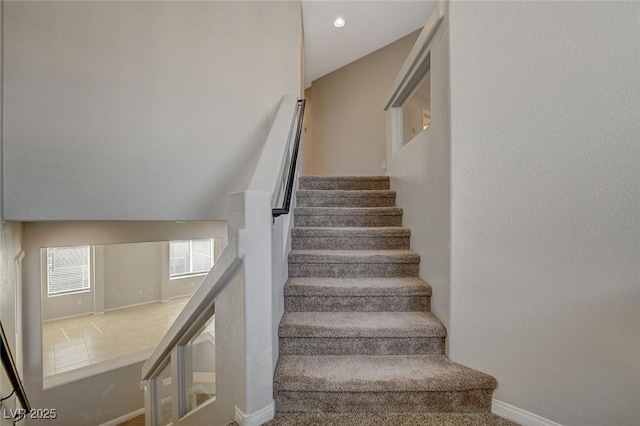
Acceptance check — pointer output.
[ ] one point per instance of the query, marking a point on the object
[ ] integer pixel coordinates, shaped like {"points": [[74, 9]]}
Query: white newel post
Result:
{"points": [[256, 245]]}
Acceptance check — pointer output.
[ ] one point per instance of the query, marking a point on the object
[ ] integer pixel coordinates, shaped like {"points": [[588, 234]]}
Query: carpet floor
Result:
{"points": [[364, 419], [388, 419]]}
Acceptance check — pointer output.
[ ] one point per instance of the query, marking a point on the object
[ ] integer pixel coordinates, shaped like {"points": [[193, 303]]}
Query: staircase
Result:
{"points": [[358, 342]]}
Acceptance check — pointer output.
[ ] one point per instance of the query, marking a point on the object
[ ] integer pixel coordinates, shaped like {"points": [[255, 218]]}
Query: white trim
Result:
{"points": [[178, 296], [189, 275], [123, 418], [83, 314], [261, 416], [405, 83], [133, 305], [519, 415]]}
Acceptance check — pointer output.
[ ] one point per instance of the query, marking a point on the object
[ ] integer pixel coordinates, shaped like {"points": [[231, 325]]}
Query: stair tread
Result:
{"points": [[350, 231], [346, 193], [346, 211], [376, 373], [353, 256], [361, 324], [396, 286], [388, 419], [341, 178]]}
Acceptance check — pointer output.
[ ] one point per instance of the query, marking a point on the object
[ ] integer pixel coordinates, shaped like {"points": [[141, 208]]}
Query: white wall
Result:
{"points": [[140, 110], [420, 176], [347, 113], [10, 278], [132, 274], [124, 275], [545, 206], [102, 397]]}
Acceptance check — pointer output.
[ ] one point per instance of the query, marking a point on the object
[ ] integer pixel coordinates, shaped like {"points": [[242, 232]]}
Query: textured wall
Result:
{"points": [[420, 176], [10, 279], [347, 113], [140, 110], [545, 290]]}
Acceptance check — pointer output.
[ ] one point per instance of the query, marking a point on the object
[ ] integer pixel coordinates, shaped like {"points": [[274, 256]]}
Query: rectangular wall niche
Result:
{"points": [[416, 111]]}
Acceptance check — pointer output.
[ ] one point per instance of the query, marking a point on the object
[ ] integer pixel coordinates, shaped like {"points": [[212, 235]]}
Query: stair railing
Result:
{"points": [[243, 291], [14, 378], [286, 204]]}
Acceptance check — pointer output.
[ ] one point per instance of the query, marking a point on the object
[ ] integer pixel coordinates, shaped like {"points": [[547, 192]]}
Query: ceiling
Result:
{"points": [[370, 25]]}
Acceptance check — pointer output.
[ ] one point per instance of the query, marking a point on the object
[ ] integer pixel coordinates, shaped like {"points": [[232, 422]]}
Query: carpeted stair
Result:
{"points": [[357, 336]]}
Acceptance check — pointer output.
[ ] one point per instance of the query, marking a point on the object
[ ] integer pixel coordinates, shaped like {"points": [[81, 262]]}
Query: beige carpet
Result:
{"points": [[363, 419], [388, 419], [358, 335]]}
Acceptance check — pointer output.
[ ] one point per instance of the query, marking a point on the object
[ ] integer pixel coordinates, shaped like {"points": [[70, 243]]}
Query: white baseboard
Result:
{"points": [[117, 308], [123, 418], [519, 415], [133, 305], [66, 317], [259, 417]]}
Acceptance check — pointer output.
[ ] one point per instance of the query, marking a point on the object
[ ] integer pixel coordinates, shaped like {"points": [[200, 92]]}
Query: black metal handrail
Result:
{"points": [[12, 371], [286, 203]]}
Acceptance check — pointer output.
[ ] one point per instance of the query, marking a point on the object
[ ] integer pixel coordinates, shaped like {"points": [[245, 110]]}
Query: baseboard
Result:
{"points": [[66, 317], [519, 415], [133, 305], [117, 308], [256, 419], [123, 418]]}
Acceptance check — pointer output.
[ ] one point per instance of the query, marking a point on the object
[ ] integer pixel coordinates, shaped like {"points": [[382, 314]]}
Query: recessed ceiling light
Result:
{"points": [[339, 22]]}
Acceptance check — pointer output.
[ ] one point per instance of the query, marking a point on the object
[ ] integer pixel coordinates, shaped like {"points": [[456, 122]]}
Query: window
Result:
{"points": [[410, 102], [68, 270], [416, 111], [190, 257]]}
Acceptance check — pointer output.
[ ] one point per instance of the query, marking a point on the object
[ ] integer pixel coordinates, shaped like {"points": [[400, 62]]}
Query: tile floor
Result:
{"points": [[78, 342]]}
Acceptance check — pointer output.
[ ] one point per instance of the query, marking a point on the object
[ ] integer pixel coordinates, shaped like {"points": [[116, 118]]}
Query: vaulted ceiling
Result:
{"points": [[370, 25]]}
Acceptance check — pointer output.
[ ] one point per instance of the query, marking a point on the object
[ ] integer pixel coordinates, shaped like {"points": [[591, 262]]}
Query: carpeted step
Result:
{"points": [[353, 263], [353, 216], [379, 383], [389, 419], [340, 198], [350, 238], [344, 182], [361, 333], [356, 294], [357, 337]]}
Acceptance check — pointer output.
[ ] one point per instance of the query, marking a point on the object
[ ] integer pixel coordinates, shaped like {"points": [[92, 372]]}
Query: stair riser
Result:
{"points": [[320, 201], [469, 401], [344, 184], [348, 220], [357, 303], [353, 270], [362, 346], [346, 243]]}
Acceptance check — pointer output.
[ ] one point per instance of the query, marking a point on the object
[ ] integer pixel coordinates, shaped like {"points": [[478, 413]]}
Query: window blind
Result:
{"points": [[68, 270], [187, 257]]}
